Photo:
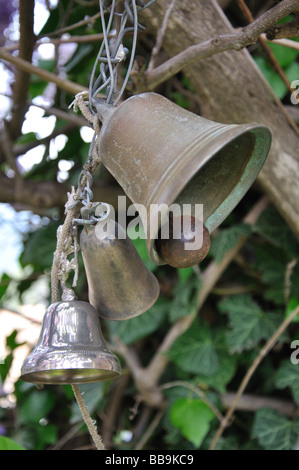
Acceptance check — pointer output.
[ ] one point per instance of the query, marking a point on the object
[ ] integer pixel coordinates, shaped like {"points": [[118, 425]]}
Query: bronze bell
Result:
{"points": [[119, 284], [70, 348], [162, 154]]}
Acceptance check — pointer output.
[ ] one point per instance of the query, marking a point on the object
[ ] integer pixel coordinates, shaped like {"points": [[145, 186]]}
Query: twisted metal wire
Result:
{"points": [[112, 52]]}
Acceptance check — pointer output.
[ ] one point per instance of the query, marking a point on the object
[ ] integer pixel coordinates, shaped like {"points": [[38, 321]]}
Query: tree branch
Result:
{"points": [[146, 379], [230, 41], [209, 279], [285, 30], [253, 403], [67, 85], [43, 195], [22, 79], [263, 352]]}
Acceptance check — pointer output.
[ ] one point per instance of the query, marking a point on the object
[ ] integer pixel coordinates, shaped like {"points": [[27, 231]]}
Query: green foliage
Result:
{"points": [[286, 58], [134, 329], [9, 444], [195, 351], [288, 376], [274, 431], [40, 247], [193, 418], [227, 239], [249, 324]]}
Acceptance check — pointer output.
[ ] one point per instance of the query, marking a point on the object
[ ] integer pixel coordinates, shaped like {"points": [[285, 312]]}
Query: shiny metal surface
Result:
{"points": [[161, 153], [119, 284], [71, 348]]}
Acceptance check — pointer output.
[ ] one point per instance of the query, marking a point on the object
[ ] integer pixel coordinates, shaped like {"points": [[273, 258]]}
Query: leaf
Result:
{"points": [[272, 77], [195, 351], [285, 55], [272, 227], [274, 431], [9, 444], [292, 304], [226, 240], [249, 324], [46, 434], [39, 248], [224, 374], [137, 328], [185, 273], [4, 283], [193, 418], [288, 376], [36, 406], [271, 261], [184, 298]]}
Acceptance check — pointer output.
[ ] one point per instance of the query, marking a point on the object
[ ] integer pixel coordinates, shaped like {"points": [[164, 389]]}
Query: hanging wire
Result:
{"points": [[112, 52], [104, 77]]}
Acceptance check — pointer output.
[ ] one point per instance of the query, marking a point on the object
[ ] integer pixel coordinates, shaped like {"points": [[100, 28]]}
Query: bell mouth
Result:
{"points": [[222, 175], [69, 367], [69, 376]]}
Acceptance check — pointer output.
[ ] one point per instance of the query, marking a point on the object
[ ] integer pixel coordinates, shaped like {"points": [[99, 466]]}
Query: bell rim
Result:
{"points": [[260, 150], [51, 367], [43, 377]]}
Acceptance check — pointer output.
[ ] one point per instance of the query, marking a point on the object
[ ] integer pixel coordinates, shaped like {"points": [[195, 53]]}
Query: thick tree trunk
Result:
{"points": [[232, 90]]}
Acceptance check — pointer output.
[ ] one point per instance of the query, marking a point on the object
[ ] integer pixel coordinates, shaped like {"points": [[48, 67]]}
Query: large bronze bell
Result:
{"points": [[119, 284], [70, 348], [161, 153]]}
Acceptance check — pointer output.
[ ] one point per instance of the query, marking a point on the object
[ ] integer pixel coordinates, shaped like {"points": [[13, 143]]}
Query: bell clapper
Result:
{"points": [[173, 250]]}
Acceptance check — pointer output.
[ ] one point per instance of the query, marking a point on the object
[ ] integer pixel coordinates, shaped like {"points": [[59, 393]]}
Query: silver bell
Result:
{"points": [[71, 348]]}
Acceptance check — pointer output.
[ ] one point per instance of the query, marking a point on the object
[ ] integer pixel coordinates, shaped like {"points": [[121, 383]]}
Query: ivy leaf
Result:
{"points": [[195, 351], [137, 328], [271, 261], [39, 248], [37, 405], [226, 240], [185, 298], [224, 374], [288, 376], [274, 431], [272, 227], [9, 444], [249, 324], [193, 418]]}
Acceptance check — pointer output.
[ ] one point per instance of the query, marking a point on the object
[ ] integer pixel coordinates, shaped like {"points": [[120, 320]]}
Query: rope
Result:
{"points": [[87, 418]]}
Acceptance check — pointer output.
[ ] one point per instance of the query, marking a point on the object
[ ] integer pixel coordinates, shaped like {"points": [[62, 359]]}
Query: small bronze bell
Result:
{"points": [[70, 348], [119, 284], [162, 154]]}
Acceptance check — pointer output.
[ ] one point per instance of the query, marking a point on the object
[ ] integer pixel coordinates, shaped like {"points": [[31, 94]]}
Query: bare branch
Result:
{"points": [[67, 85], [230, 41], [209, 279], [263, 352], [285, 30], [253, 403], [22, 79]]}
